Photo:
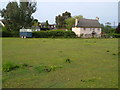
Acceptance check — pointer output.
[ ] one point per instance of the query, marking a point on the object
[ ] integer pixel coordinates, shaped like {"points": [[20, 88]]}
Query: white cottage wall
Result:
{"points": [[76, 30], [87, 32]]}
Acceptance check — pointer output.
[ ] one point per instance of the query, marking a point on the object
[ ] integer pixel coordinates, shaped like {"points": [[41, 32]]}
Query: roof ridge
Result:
{"points": [[88, 19]]}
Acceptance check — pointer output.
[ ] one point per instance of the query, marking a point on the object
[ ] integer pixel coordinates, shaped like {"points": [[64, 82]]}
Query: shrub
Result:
{"points": [[9, 67], [116, 35], [68, 60], [6, 33], [54, 34], [15, 33], [40, 34], [108, 51], [113, 54]]}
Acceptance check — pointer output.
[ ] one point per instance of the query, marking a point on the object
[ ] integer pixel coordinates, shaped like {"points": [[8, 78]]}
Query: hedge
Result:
{"points": [[6, 34], [116, 35], [54, 34], [10, 34]]}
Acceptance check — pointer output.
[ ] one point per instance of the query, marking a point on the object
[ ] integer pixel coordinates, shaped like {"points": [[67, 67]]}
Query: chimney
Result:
{"points": [[97, 18], [76, 22]]}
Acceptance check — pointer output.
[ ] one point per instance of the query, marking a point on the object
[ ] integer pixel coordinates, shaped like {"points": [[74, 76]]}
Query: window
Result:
{"points": [[93, 28], [84, 28], [98, 28]]}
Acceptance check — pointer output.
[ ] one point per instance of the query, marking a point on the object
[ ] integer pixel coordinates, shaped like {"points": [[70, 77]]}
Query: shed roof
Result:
{"points": [[88, 23]]}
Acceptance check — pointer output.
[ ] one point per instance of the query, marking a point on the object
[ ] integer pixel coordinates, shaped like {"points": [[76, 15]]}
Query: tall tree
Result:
{"points": [[11, 15], [60, 19], [26, 11], [18, 16], [66, 15]]}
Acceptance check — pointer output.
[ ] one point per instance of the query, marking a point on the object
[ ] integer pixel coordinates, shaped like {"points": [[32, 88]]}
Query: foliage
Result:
{"points": [[71, 21], [60, 19], [10, 15], [108, 29], [54, 34], [68, 60], [17, 15], [116, 35], [15, 33], [81, 35], [24, 65], [9, 66], [118, 29], [35, 24], [46, 24], [78, 17], [6, 33]]}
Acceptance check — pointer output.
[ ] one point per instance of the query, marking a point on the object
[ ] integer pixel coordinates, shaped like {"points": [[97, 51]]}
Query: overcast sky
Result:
{"points": [[106, 11]]}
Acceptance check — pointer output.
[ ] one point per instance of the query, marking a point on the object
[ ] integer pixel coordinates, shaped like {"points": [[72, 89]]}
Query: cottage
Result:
{"points": [[87, 28]]}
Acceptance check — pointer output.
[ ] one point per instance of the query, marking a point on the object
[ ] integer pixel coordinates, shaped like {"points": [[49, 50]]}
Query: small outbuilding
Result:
{"points": [[87, 28]]}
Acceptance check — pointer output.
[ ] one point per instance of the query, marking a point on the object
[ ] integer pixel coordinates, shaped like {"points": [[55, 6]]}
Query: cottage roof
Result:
{"points": [[88, 23]]}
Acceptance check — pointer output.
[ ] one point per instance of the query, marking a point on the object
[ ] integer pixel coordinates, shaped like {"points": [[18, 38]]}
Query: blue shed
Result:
{"points": [[24, 33]]}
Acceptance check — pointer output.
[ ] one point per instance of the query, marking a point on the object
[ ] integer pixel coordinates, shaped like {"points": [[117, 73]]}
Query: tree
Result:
{"points": [[78, 17], [10, 15], [18, 16], [108, 24], [26, 11], [46, 24], [35, 24], [66, 15], [107, 29], [71, 21], [118, 29], [60, 19]]}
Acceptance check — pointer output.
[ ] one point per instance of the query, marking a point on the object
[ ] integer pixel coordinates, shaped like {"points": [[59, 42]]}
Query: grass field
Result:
{"points": [[94, 63]]}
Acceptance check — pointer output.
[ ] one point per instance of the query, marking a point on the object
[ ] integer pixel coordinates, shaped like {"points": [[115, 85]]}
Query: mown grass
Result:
{"points": [[93, 63]]}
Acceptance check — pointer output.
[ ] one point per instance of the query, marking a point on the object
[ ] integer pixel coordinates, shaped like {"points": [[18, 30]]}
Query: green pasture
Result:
{"points": [[94, 63]]}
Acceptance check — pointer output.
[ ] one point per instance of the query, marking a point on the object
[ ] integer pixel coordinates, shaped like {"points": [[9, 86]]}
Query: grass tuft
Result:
{"points": [[108, 51], [113, 54], [44, 68], [68, 60], [9, 66]]}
